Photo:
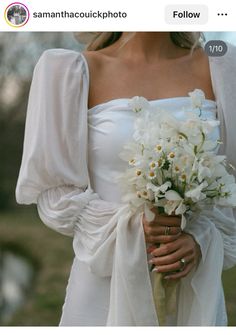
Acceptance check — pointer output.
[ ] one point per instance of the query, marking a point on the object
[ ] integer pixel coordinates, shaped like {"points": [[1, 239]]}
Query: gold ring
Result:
{"points": [[167, 230]]}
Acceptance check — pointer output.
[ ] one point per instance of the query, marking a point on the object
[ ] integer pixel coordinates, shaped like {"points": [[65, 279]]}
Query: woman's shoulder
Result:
{"points": [[96, 59]]}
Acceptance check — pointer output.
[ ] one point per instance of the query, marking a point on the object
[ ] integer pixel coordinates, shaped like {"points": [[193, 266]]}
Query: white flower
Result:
{"points": [[139, 104], [152, 165], [168, 128], [176, 169], [151, 174], [196, 194], [197, 97], [204, 169], [171, 155], [175, 203], [192, 129], [159, 190], [158, 148], [203, 172], [218, 170]]}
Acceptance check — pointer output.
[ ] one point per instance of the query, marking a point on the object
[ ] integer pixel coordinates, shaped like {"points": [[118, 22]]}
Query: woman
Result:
{"points": [[78, 120]]}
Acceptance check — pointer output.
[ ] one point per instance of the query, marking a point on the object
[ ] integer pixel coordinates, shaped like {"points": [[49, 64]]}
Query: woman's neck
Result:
{"points": [[148, 46]]}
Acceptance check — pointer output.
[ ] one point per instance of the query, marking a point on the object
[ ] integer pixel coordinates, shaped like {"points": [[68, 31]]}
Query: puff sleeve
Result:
{"points": [[54, 162], [54, 175]]}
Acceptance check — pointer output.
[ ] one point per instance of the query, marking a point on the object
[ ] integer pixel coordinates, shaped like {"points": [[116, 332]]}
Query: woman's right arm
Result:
{"points": [[53, 172]]}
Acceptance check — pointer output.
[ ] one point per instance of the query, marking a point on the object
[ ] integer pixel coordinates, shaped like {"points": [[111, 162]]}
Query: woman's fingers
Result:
{"points": [[166, 261], [174, 246], [181, 274], [168, 253], [163, 220], [156, 239], [180, 255], [173, 267], [161, 234], [184, 244], [172, 221], [163, 229]]}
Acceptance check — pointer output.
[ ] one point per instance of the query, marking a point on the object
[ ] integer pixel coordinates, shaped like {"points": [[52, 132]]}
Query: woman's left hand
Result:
{"points": [[180, 255]]}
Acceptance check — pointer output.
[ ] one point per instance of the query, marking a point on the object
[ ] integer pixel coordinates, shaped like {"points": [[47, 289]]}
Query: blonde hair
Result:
{"points": [[99, 40]]}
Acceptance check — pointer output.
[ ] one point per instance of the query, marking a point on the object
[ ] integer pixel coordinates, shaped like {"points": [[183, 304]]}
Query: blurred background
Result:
{"points": [[34, 260]]}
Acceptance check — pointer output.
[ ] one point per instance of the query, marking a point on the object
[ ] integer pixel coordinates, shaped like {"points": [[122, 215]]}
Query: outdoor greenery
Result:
{"points": [[52, 255]]}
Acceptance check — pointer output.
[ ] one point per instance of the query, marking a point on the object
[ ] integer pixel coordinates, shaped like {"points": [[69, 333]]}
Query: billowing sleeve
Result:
{"points": [[107, 236], [214, 229], [53, 172], [215, 218]]}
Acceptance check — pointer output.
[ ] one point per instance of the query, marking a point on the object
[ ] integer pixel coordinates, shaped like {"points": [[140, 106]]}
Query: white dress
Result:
{"points": [[110, 127], [69, 164]]}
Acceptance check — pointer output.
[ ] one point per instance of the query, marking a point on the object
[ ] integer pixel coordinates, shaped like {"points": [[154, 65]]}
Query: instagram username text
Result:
{"points": [[80, 15]]}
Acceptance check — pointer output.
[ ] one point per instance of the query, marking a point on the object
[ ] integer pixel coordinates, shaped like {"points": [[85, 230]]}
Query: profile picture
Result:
{"points": [[16, 14]]}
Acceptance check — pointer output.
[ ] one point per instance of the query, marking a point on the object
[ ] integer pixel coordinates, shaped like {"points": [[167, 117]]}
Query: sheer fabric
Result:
{"points": [[107, 236]]}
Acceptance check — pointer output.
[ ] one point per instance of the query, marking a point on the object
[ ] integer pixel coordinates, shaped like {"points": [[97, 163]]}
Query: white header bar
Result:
{"points": [[122, 15]]}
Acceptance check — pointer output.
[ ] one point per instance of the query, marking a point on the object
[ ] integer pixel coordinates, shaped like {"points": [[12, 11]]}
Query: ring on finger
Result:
{"points": [[182, 264], [167, 230]]}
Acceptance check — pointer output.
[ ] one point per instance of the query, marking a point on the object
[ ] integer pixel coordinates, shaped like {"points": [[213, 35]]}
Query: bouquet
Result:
{"points": [[173, 164]]}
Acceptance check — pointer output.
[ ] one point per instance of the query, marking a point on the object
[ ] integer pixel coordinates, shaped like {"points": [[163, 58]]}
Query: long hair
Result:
{"points": [[100, 40]]}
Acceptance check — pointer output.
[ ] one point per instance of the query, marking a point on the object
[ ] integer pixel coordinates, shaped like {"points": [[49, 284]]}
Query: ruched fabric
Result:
{"points": [[69, 167]]}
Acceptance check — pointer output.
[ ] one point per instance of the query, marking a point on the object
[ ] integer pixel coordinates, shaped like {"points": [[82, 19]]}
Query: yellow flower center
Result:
{"points": [[152, 165], [138, 172], [172, 155], [158, 147], [151, 173]]}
